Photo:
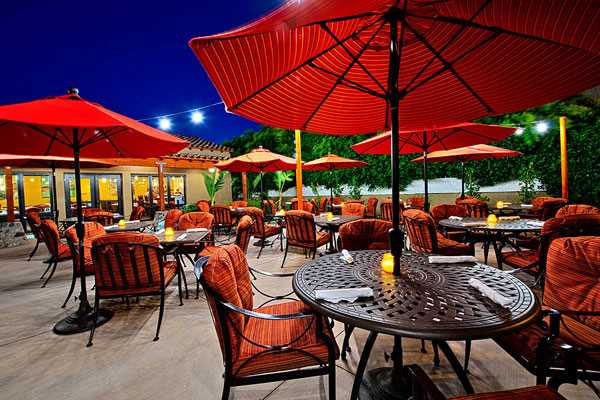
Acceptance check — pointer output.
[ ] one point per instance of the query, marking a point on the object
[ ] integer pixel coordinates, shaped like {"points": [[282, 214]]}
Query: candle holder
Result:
{"points": [[169, 232], [329, 216], [387, 263], [121, 223], [500, 204], [492, 219]]}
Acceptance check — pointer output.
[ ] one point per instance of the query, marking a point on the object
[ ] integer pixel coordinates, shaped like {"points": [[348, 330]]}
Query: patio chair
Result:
{"points": [[315, 206], [268, 207], [546, 207], [239, 204], [203, 205], [306, 206], [371, 211], [267, 344], [92, 230], [354, 201], [33, 220], [423, 388], [58, 250], [130, 264], [172, 218], [302, 232], [196, 219], [363, 234], [338, 200], [417, 202], [425, 239], [137, 213], [354, 209], [445, 211], [323, 204], [263, 231], [386, 210], [475, 208], [564, 346], [576, 209], [98, 215], [223, 220]]}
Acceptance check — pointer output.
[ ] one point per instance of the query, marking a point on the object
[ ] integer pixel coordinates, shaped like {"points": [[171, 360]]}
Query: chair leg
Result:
{"points": [[348, 329], [197, 288], [226, 390], [423, 349], [331, 375], [70, 290], [46, 271], [33, 251], [314, 253], [436, 355], [179, 283], [285, 254], [467, 355], [161, 312], [51, 273], [262, 246], [95, 320], [486, 250]]}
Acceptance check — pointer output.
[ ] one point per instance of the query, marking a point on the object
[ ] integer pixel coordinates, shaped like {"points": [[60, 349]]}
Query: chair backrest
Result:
{"points": [[172, 218], [98, 215], [575, 209], [538, 202], [323, 204], [417, 202], [258, 217], [338, 200], [50, 235], [459, 200], [239, 204], [354, 202], [372, 206], [306, 206], [137, 213], [226, 278], [196, 219], [572, 283], [444, 211], [475, 208], [127, 263], [356, 209], [551, 206], [222, 215], [421, 231], [203, 205], [268, 207], [243, 232], [386, 210], [33, 220], [315, 206], [301, 229], [365, 234], [91, 231]]}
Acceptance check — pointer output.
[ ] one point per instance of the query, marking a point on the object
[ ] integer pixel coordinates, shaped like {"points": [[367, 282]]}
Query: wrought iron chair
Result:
{"points": [[371, 211], [302, 232], [263, 231], [306, 206], [92, 230], [423, 388], [203, 205], [239, 204], [386, 210], [223, 220], [425, 239], [172, 218], [323, 204], [98, 215], [475, 208], [416, 202], [564, 346], [58, 250], [272, 343], [576, 209], [354, 209], [268, 207], [137, 213], [546, 207], [33, 220], [130, 264]]}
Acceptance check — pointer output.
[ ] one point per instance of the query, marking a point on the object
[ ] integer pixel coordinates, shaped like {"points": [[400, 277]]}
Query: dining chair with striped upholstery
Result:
{"points": [[386, 210], [203, 205], [223, 221], [239, 204], [137, 213], [354, 209], [33, 219], [58, 250], [172, 218], [371, 211], [424, 237], [262, 230], [301, 231], [575, 209]]}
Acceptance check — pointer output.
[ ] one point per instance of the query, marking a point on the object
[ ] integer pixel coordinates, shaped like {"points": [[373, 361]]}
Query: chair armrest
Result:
{"points": [[422, 387], [273, 317], [272, 274]]}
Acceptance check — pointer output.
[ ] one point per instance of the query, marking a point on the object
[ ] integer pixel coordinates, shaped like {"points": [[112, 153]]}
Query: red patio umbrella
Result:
{"points": [[258, 160], [426, 141], [70, 126], [468, 153], [329, 163], [20, 161]]}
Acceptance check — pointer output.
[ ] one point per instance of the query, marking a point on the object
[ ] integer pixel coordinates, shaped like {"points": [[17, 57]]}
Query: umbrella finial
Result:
{"points": [[73, 90]]}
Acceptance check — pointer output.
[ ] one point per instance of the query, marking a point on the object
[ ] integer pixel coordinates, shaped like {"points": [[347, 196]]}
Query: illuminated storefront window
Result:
{"points": [[3, 204], [144, 190], [97, 191]]}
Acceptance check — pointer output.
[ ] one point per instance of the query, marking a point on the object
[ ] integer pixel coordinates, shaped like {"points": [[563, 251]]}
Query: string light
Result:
{"points": [[542, 127], [519, 131], [197, 117], [164, 123]]}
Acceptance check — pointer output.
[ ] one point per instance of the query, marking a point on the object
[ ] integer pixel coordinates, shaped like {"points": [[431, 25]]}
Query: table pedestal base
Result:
{"points": [[78, 322], [378, 384]]}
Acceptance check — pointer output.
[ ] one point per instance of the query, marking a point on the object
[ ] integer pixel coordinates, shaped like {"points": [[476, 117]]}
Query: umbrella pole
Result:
{"points": [[83, 319], [54, 199], [331, 189], [462, 190], [262, 191], [425, 178]]}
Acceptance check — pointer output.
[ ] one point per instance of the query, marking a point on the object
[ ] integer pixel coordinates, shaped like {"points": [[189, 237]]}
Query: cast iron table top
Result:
{"points": [[178, 237], [336, 222], [434, 302], [133, 226], [519, 225]]}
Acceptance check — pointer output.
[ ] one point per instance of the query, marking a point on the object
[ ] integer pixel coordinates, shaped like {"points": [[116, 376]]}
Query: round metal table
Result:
{"points": [[433, 302], [498, 234]]}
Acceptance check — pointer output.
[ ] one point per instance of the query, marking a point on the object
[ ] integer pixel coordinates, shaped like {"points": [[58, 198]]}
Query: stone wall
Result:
{"points": [[11, 234]]}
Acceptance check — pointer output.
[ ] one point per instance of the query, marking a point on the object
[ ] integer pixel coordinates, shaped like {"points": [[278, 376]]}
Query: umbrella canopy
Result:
{"points": [[21, 161], [69, 126], [469, 153], [445, 138]]}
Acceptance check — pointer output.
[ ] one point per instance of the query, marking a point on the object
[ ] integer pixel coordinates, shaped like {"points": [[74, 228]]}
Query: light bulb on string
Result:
{"points": [[519, 131], [542, 127], [164, 123], [197, 117]]}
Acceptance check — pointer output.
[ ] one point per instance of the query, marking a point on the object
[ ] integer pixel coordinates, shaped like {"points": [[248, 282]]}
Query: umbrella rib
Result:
{"points": [[454, 37], [349, 83], [102, 135], [50, 145], [348, 68], [293, 70], [35, 128], [449, 66], [361, 65]]}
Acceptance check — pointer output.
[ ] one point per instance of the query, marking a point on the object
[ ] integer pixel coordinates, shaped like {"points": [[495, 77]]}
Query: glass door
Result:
{"points": [[108, 193], [176, 190], [97, 191], [3, 202], [87, 198]]}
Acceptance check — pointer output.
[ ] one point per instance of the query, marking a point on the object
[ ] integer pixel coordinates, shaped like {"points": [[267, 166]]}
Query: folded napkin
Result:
{"points": [[346, 257], [490, 293], [135, 221], [182, 236], [509, 218], [347, 294], [537, 224], [111, 227], [473, 223], [196, 230], [526, 205], [158, 232], [451, 259], [455, 218]]}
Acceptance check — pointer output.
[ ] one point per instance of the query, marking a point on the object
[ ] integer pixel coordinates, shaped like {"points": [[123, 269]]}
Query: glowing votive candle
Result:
{"points": [[387, 263], [169, 232], [499, 204], [492, 220], [121, 223], [329, 216], [281, 212]]}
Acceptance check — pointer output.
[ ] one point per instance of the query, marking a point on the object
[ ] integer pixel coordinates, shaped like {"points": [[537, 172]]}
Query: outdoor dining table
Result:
{"points": [[64, 223], [523, 210], [130, 226], [430, 301], [333, 226], [498, 234]]}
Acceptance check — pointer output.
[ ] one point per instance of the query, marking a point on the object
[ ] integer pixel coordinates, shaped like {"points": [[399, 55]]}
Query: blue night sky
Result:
{"points": [[130, 55]]}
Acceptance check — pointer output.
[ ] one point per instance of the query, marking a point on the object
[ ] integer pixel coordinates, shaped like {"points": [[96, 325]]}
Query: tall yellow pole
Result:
{"points": [[161, 185], [244, 186], [563, 158], [299, 168]]}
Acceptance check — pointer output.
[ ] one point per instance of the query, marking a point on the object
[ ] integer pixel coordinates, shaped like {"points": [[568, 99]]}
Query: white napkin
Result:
{"points": [[526, 205], [133, 221], [473, 223], [537, 224], [347, 294], [490, 293], [335, 218], [346, 257], [451, 259], [158, 232], [111, 227], [182, 236], [455, 218], [196, 230], [509, 218]]}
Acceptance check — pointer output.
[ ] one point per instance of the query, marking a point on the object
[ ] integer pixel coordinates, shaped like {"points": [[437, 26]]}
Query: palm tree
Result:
{"points": [[213, 181], [281, 177]]}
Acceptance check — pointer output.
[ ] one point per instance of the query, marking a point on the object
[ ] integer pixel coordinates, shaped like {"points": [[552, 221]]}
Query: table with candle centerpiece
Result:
{"points": [[501, 208], [332, 224], [427, 301]]}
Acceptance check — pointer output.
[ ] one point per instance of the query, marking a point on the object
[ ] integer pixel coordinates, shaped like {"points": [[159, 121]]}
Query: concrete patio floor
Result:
{"points": [[186, 362]]}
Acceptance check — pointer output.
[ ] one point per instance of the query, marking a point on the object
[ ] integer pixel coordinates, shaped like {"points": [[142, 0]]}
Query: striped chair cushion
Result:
{"points": [[449, 247], [576, 209], [354, 209], [239, 204], [523, 259], [365, 234], [60, 251], [540, 392], [92, 230], [302, 231], [172, 218], [203, 205], [244, 232], [386, 210], [444, 211], [421, 228], [198, 219], [282, 332]]}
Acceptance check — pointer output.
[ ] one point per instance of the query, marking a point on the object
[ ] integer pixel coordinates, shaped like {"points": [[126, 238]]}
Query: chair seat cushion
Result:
{"points": [[270, 230], [525, 259], [64, 253], [323, 238], [539, 392], [270, 332], [170, 271], [450, 247]]}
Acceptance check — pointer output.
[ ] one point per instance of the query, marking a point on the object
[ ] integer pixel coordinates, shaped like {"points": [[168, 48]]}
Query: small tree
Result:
{"points": [[214, 182], [355, 192], [472, 188], [527, 183], [281, 178]]}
